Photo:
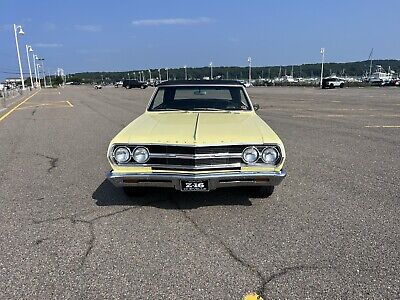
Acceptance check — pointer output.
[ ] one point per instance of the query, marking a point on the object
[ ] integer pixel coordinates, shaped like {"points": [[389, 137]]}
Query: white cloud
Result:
{"points": [[172, 21], [44, 45], [88, 28]]}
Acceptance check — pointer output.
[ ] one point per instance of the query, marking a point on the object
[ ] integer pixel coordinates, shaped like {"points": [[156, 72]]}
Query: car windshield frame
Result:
{"points": [[243, 102]]}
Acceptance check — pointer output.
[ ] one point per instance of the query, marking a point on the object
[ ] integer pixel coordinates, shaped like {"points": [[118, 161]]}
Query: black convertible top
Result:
{"points": [[200, 82]]}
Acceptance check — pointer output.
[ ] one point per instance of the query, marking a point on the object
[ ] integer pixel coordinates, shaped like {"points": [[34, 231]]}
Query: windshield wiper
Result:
{"points": [[210, 109], [169, 109]]}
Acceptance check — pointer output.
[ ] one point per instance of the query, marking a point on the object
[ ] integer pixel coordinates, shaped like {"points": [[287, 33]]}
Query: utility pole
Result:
{"points": [[211, 70]]}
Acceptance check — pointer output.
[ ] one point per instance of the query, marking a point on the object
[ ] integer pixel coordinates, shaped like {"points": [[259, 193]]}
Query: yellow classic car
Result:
{"points": [[197, 135]]}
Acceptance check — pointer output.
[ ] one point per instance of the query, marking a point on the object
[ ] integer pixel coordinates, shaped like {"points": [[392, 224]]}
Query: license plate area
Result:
{"points": [[194, 186]]}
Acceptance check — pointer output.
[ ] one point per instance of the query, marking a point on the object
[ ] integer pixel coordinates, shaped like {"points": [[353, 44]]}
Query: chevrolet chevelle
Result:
{"points": [[197, 136]]}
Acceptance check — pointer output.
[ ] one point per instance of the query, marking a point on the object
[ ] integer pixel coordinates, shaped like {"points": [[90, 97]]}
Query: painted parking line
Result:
{"points": [[16, 107], [58, 104], [382, 126], [252, 296]]}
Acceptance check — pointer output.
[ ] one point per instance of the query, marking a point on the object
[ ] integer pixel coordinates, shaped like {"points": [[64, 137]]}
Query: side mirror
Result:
{"points": [[256, 107]]}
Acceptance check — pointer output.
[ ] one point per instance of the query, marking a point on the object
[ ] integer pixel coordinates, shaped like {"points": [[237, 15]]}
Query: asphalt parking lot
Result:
{"points": [[330, 230]]}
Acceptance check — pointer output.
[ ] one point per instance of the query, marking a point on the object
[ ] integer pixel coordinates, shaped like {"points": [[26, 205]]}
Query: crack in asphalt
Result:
{"points": [[229, 251], [264, 281], [52, 160], [90, 223]]}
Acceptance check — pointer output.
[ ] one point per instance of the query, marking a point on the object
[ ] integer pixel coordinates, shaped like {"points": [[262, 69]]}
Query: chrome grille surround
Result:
{"points": [[184, 157]]}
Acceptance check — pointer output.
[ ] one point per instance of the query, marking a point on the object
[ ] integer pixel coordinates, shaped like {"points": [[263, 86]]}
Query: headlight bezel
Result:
{"points": [[243, 155], [133, 155], [278, 155], [115, 157]]}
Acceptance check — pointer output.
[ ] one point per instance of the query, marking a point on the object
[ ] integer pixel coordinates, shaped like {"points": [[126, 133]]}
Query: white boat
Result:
{"points": [[380, 77]]}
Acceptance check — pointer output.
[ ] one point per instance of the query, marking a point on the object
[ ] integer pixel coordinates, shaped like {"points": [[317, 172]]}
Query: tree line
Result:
{"points": [[352, 69]]}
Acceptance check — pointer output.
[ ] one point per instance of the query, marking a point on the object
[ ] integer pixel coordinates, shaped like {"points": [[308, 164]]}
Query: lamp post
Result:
{"points": [[38, 67], [21, 32], [43, 72], [185, 67], [34, 67], [143, 77], [134, 75], [29, 49], [166, 69], [249, 60], [150, 74], [159, 74], [211, 70], [322, 64], [35, 58], [129, 76]]}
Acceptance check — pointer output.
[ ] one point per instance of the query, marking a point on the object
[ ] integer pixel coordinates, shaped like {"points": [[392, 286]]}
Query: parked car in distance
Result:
{"points": [[118, 84], [332, 82], [197, 135], [133, 83], [97, 86]]}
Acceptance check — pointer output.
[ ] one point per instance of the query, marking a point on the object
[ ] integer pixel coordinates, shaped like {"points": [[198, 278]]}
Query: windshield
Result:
{"points": [[200, 98]]}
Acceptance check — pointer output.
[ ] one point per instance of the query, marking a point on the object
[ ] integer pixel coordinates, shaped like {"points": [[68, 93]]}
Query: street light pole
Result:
{"points": [[322, 64], [150, 74], [29, 49], [34, 67], [38, 67], [249, 60], [20, 31], [159, 75], [44, 73], [211, 71], [166, 69], [185, 72]]}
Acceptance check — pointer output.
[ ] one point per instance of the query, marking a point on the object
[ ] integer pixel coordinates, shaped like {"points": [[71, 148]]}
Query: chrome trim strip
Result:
{"points": [[216, 180]]}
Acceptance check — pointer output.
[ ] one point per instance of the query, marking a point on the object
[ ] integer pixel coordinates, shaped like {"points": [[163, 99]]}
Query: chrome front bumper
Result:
{"points": [[215, 180]]}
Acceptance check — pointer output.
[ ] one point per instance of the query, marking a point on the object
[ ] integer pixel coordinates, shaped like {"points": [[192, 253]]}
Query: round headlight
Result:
{"points": [[141, 155], [250, 155], [270, 155], [122, 155]]}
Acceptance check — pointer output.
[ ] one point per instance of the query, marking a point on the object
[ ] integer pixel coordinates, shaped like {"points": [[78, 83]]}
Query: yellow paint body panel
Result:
{"points": [[198, 129]]}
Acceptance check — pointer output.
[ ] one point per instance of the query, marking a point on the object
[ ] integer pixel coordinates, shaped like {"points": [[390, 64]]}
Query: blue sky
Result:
{"points": [[125, 35]]}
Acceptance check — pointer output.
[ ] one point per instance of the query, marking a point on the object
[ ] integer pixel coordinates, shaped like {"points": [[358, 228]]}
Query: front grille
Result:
{"points": [[172, 157]]}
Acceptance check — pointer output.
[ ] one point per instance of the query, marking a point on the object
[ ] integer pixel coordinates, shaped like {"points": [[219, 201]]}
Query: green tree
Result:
{"points": [[57, 80]]}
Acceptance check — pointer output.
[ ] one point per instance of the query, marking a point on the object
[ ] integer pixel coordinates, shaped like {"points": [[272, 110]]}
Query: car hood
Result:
{"points": [[197, 128]]}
